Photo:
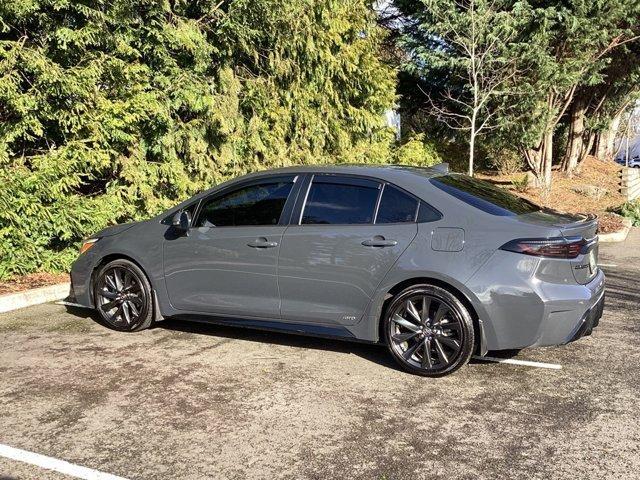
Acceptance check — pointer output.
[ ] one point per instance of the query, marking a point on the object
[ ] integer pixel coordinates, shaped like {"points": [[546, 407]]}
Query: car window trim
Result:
{"points": [[307, 182], [402, 190], [267, 179], [342, 179]]}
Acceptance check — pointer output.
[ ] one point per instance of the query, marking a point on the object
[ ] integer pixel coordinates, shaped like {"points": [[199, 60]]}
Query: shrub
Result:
{"points": [[113, 111], [631, 210], [416, 151]]}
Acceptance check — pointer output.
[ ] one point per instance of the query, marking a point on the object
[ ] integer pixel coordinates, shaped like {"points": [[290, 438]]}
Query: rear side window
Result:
{"points": [[396, 206], [260, 204], [426, 213], [340, 203], [484, 195]]}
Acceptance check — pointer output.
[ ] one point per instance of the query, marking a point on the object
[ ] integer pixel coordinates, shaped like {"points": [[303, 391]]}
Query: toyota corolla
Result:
{"points": [[437, 266]]}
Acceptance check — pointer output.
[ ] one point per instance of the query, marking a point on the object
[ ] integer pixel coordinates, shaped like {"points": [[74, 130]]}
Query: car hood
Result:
{"points": [[114, 230]]}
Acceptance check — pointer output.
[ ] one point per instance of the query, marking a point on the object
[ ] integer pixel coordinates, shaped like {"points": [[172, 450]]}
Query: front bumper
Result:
{"points": [[81, 272]]}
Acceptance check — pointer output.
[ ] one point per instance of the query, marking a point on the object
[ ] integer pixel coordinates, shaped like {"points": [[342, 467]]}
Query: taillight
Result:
{"points": [[558, 247]]}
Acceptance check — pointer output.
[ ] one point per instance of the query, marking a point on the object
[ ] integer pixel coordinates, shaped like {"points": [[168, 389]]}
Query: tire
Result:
{"points": [[122, 295], [446, 330]]}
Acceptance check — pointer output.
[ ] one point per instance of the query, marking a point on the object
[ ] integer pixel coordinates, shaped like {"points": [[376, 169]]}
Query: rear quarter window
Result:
{"points": [[484, 195]]}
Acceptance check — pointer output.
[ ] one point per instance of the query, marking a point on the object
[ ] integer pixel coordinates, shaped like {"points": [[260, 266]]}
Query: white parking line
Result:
{"points": [[54, 464], [526, 363], [607, 265]]}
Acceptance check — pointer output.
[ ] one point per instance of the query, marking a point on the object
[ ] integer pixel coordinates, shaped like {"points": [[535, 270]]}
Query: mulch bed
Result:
{"points": [[33, 280]]}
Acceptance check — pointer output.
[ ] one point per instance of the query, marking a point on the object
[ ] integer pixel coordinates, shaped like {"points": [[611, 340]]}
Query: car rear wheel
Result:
{"points": [[429, 331], [122, 296]]}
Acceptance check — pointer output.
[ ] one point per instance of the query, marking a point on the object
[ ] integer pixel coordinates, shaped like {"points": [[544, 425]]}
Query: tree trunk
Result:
{"points": [[575, 151], [606, 139], [540, 160], [600, 147], [472, 143], [548, 158]]}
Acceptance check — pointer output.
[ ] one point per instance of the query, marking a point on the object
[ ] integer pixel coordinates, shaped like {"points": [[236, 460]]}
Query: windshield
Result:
{"points": [[484, 195]]}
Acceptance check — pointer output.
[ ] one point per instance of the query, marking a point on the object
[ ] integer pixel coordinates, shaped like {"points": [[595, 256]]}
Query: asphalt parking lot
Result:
{"points": [[194, 401]]}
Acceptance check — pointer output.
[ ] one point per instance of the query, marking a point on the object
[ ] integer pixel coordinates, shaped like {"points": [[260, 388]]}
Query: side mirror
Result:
{"points": [[181, 221]]}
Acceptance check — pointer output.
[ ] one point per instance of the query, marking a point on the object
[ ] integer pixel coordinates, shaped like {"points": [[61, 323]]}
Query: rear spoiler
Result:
{"points": [[441, 167]]}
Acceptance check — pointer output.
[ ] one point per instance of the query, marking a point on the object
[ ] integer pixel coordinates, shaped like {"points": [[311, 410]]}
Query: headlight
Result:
{"points": [[87, 244]]}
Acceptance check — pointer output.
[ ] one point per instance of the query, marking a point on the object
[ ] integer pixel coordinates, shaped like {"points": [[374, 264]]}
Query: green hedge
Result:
{"points": [[116, 110]]}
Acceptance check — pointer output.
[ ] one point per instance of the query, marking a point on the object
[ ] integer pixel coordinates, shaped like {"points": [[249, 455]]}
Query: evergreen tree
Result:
{"points": [[114, 110]]}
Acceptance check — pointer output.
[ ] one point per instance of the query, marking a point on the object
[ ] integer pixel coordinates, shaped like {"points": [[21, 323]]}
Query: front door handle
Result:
{"points": [[379, 241], [262, 243]]}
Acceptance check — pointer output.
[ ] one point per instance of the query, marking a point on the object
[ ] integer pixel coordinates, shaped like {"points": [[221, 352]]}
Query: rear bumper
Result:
{"points": [[522, 306], [589, 320]]}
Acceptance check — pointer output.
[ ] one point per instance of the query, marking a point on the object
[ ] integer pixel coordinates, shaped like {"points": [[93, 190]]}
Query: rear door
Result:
{"points": [[227, 263], [348, 233]]}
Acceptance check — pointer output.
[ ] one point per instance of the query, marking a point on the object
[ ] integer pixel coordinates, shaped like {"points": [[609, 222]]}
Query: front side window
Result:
{"points": [[340, 203], [396, 206], [260, 204]]}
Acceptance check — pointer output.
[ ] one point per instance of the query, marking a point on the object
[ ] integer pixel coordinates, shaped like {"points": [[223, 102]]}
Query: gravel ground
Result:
{"points": [[196, 401]]}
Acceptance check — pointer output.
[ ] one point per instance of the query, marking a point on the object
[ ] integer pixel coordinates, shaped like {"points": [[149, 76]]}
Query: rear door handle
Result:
{"points": [[262, 243], [379, 241]]}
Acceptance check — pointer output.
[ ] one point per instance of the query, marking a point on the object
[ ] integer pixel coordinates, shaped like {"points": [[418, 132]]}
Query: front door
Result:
{"points": [[227, 263], [350, 233]]}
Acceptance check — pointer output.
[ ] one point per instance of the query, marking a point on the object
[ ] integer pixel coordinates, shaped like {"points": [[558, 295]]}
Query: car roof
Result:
{"points": [[382, 171], [399, 174]]}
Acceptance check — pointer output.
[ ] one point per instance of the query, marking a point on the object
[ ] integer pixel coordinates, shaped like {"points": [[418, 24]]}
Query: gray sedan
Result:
{"points": [[438, 266]]}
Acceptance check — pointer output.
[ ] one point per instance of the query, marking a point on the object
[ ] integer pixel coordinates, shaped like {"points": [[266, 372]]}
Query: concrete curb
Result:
{"points": [[14, 301], [619, 236]]}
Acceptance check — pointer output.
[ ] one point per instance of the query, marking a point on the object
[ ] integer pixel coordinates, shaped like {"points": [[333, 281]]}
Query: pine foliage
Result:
{"points": [[115, 110]]}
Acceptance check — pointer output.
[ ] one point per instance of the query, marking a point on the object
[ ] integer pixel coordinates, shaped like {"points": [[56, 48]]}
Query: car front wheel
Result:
{"points": [[122, 296], [429, 331]]}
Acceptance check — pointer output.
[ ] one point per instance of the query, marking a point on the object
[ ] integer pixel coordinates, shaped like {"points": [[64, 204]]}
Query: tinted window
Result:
{"points": [[484, 195], [340, 203], [426, 213], [396, 206], [253, 205]]}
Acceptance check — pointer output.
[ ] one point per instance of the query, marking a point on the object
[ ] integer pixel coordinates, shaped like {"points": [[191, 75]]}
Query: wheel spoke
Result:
{"points": [[427, 361], [403, 337], [411, 350], [441, 354], [110, 282], [450, 342], [411, 308], [108, 294], [118, 278], [405, 323], [125, 311], [443, 309], [133, 309], [109, 305], [449, 326], [426, 305], [137, 300], [118, 315], [127, 281]]}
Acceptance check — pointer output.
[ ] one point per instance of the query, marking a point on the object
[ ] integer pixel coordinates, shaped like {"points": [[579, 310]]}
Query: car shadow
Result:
{"points": [[376, 353]]}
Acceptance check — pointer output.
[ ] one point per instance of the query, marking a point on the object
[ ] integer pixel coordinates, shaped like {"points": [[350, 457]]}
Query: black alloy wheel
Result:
{"points": [[122, 296], [429, 331]]}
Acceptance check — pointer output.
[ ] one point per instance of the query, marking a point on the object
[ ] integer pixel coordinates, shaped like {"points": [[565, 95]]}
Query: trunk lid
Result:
{"points": [[585, 266]]}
